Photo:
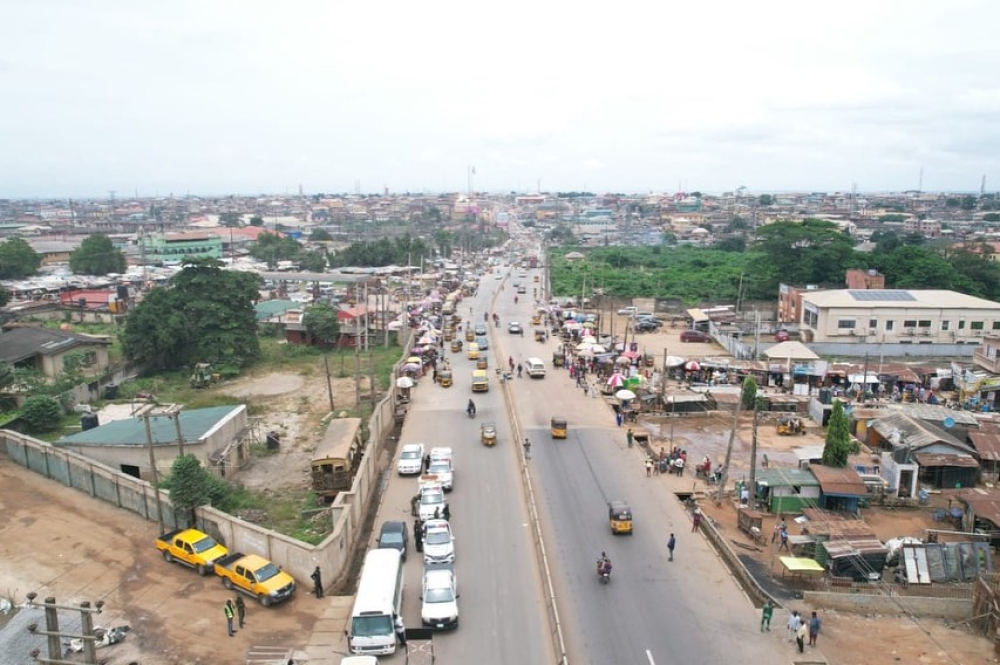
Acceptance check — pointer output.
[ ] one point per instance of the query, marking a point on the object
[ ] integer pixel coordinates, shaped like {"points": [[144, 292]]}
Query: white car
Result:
{"points": [[439, 543], [439, 608], [443, 466], [628, 311], [497, 276], [411, 460], [432, 502]]}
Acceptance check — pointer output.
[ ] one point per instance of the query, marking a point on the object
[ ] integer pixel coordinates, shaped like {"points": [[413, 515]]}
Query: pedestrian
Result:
{"points": [[800, 636], [446, 512], [794, 621], [784, 541], [317, 578], [765, 616], [629, 437], [241, 610], [415, 505], [418, 534], [814, 625], [649, 467], [520, 368], [618, 418], [744, 495], [400, 629], [779, 524], [670, 546], [228, 609], [696, 519], [527, 448]]}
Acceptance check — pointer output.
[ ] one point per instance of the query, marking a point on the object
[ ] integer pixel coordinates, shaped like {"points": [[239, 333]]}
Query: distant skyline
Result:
{"points": [[251, 97]]}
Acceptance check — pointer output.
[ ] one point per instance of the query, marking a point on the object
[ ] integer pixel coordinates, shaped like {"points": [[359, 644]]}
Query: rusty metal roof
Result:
{"points": [[944, 459], [987, 443], [984, 504], [845, 481]]}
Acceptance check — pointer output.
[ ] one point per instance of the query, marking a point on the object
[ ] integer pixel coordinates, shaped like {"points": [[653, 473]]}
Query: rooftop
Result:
{"points": [[196, 424], [896, 299]]}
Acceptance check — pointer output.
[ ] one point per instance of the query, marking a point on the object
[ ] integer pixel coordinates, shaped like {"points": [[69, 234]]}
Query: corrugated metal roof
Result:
{"points": [[840, 548], [844, 481], [785, 477], [987, 443], [195, 424], [913, 432], [944, 459], [18, 344], [984, 504]]}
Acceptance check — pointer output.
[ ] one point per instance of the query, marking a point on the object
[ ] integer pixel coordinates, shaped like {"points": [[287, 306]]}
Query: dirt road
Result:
{"points": [[58, 542]]}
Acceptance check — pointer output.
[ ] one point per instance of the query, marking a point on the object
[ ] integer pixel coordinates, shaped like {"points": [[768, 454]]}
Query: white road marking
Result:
{"points": [[649, 656]]}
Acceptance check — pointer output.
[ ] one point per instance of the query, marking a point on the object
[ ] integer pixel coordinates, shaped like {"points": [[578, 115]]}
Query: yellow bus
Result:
{"points": [[337, 457]]}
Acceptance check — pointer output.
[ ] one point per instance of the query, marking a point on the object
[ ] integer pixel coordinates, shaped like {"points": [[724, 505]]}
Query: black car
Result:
{"points": [[645, 326], [394, 536], [483, 342]]}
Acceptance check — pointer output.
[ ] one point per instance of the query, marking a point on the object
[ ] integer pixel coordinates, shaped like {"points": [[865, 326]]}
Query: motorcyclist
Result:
{"points": [[520, 368], [603, 564], [471, 408], [515, 300]]}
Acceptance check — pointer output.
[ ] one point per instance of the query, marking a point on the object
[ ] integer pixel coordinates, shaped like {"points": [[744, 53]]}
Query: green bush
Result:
{"points": [[42, 413]]}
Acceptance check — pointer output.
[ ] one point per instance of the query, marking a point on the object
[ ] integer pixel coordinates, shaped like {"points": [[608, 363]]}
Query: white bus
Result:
{"points": [[380, 597]]}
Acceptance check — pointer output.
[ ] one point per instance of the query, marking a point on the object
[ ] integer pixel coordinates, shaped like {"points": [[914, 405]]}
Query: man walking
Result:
{"points": [[629, 437], [696, 520], [228, 609], [765, 616], [241, 609], [418, 534], [794, 621], [784, 540], [800, 636], [670, 546], [400, 629], [814, 624], [317, 578], [527, 448]]}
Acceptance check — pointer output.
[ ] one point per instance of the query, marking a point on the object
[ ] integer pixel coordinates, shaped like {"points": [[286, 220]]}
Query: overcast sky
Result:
{"points": [[213, 97]]}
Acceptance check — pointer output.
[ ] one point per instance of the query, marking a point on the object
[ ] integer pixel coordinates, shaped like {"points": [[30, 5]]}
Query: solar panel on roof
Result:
{"points": [[881, 295]]}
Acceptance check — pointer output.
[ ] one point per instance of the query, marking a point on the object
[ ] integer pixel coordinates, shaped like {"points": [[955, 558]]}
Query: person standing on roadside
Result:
{"points": [[814, 625], [241, 609], [800, 636], [228, 609], [670, 546], [527, 448], [629, 437], [765, 616], [794, 621], [317, 578]]}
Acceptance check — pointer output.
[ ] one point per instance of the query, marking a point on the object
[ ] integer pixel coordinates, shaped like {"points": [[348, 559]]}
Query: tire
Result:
{"points": [[202, 570], [228, 583], [265, 601], [167, 556]]}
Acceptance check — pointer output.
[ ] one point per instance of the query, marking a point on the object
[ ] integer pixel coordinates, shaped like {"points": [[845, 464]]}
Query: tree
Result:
{"points": [[562, 234], [838, 438], [766, 200], [991, 217], [192, 486], [321, 323], [6, 375], [229, 219], [18, 259], [256, 220], [320, 235], [205, 315], [813, 251], [96, 255], [312, 261], [273, 248], [41, 413], [4, 296], [748, 396], [738, 244]]}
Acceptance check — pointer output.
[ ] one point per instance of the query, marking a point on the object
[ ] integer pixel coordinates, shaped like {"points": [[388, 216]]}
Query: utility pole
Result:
{"points": [[329, 383], [729, 450], [156, 475], [753, 451], [54, 635]]}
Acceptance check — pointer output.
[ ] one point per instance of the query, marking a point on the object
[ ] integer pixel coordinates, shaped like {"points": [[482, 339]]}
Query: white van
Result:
{"points": [[535, 368]]}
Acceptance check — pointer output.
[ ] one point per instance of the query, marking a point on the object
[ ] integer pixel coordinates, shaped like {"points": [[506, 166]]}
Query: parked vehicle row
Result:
{"points": [[250, 574]]}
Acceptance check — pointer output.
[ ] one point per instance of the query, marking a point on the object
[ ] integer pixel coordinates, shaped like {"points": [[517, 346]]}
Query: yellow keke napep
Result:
{"points": [[473, 351], [558, 428], [619, 517], [444, 378]]}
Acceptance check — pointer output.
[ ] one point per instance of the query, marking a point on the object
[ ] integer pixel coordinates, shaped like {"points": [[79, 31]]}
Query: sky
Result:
{"points": [[214, 97]]}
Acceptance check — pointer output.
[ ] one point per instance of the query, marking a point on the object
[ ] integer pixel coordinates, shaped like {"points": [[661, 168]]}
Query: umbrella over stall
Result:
{"points": [[404, 382], [625, 394], [692, 366], [616, 380]]}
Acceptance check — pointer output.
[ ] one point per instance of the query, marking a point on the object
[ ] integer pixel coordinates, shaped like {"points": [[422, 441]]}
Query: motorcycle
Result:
{"points": [[471, 410]]}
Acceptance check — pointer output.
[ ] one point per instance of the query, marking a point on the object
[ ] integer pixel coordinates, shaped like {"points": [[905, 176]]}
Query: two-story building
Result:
{"points": [[179, 247]]}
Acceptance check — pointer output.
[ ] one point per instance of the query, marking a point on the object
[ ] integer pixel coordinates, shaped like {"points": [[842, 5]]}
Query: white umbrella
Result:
{"points": [[589, 339], [404, 382], [597, 348], [584, 346], [625, 394], [674, 361], [622, 360]]}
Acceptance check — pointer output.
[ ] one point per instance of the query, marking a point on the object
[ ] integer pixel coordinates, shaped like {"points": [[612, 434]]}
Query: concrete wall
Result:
{"points": [[334, 555], [954, 609]]}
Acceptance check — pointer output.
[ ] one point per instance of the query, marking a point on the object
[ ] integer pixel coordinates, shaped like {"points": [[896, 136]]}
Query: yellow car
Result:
{"points": [[480, 381], [473, 351]]}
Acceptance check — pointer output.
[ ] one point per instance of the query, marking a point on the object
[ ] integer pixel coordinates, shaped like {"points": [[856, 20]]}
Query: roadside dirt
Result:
{"points": [[58, 542], [293, 405]]}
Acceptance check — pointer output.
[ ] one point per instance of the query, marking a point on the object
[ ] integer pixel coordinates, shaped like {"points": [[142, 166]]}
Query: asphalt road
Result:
{"points": [[501, 611], [654, 610]]}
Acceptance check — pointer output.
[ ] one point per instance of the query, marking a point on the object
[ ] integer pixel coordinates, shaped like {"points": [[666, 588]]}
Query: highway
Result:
{"points": [[654, 611]]}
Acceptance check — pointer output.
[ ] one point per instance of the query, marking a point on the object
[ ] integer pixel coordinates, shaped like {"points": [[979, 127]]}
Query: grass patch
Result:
{"points": [[297, 513]]}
